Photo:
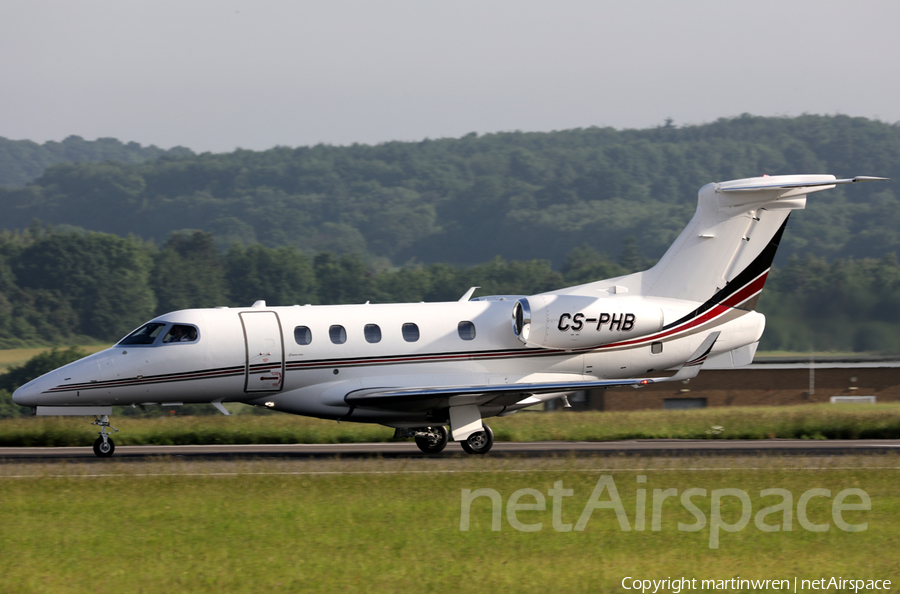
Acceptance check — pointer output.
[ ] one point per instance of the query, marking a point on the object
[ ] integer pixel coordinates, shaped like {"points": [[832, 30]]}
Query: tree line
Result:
{"points": [[61, 286], [65, 288], [23, 161], [521, 196]]}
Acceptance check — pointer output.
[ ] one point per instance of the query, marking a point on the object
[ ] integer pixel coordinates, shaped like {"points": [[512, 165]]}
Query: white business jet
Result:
{"points": [[419, 367]]}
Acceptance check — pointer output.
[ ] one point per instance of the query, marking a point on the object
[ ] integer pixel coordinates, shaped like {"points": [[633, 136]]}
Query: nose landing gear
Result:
{"points": [[103, 445]]}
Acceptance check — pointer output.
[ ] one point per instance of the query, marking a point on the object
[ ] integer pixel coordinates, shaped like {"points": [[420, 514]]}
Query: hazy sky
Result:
{"points": [[216, 75]]}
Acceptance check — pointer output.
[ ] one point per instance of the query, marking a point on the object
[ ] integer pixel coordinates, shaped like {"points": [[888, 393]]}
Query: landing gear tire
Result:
{"points": [[479, 442], [103, 445], [434, 440], [104, 449]]}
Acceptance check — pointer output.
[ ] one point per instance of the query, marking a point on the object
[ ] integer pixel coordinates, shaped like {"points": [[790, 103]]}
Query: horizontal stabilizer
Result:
{"points": [[790, 186]]}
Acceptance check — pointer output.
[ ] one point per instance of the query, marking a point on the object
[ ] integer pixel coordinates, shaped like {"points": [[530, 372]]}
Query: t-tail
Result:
{"points": [[724, 254]]}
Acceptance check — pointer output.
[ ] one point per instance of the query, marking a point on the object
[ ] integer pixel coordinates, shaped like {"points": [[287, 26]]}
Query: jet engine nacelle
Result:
{"points": [[578, 321]]}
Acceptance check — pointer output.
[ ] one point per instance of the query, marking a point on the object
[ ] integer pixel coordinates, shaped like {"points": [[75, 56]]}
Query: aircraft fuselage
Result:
{"points": [[305, 359]]}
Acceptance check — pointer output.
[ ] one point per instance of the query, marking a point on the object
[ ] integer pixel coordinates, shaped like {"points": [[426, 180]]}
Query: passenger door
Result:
{"points": [[265, 351]]}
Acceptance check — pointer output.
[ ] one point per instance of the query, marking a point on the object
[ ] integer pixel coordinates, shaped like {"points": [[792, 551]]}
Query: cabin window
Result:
{"points": [[466, 330], [655, 348], [337, 334], [146, 334], [410, 332], [372, 332], [181, 333], [302, 335]]}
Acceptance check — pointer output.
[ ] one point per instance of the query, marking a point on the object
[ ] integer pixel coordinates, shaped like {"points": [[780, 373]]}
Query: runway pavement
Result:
{"points": [[656, 447]]}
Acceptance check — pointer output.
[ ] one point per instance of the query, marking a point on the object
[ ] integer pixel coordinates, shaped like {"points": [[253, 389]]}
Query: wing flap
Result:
{"points": [[372, 396]]}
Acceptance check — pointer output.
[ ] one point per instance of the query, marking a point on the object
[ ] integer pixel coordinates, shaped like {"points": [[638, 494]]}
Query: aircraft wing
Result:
{"points": [[506, 394]]}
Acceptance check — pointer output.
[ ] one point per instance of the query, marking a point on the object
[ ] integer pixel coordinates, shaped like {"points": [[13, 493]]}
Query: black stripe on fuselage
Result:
{"points": [[299, 365], [154, 379]]}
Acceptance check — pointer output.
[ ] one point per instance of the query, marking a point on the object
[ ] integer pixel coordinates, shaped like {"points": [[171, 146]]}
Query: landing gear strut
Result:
{"points": [[479, 442], [432, 440], [104, 446]]}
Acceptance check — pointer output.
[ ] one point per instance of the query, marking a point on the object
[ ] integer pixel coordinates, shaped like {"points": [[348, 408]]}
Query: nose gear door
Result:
{"points": [[265, 351]]}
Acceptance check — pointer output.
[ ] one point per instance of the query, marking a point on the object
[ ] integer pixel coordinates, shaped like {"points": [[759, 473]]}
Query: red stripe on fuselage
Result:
{"points": [[728, 304]]}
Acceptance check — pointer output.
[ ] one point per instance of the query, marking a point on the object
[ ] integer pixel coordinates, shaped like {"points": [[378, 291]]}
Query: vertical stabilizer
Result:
{"points": [[727, 248], [725, 238]]}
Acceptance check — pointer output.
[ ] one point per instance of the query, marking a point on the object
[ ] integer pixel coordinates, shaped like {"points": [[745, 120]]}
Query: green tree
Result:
{"points": [[519, 195], [583, 265], [21, 161], [499, 277], [344, 280], [630, 258], [396, 219], [282, 276], [188, 272], [104, 278]]}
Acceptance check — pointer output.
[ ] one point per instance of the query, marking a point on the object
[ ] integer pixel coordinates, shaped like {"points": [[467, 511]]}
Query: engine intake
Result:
{"points": [[578, 321]]}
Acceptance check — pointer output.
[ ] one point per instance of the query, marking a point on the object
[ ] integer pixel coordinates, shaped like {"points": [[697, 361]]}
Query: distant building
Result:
{"points": [[767, 381]]}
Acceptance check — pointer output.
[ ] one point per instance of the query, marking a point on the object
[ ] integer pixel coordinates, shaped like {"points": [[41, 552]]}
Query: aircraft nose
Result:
{"points": [[31, 394], [28, 394]]}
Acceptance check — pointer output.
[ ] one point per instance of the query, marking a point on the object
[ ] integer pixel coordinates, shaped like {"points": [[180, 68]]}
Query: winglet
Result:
{"points": [[692, 366]]}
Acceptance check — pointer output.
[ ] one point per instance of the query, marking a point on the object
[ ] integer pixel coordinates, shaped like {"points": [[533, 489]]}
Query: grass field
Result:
{"points": [[394, 525], [813, 421]]}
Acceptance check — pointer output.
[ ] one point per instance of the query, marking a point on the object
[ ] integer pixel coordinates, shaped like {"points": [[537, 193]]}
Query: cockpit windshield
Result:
{"points": [[146, 334], [149, 333]]}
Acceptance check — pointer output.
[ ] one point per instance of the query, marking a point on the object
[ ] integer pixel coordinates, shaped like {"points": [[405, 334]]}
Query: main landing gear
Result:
{"points": [[432, 440], [479, 442], [103, 445]]}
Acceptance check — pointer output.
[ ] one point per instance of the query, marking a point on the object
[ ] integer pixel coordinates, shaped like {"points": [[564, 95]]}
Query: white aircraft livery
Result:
{"points": [[421, 367]]}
